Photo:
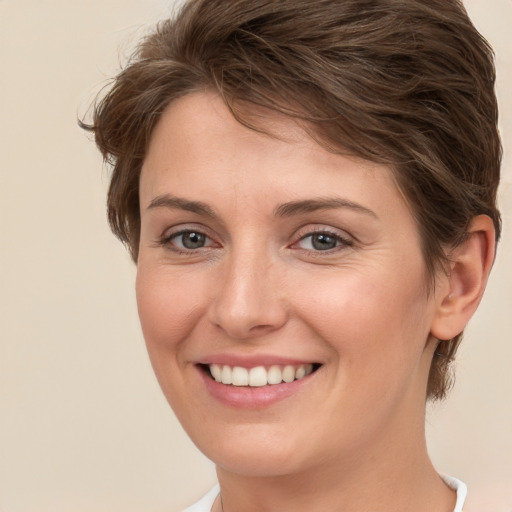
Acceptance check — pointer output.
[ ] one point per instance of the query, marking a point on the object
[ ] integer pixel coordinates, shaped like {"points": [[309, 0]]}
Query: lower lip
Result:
{"points": [[246, 397]]}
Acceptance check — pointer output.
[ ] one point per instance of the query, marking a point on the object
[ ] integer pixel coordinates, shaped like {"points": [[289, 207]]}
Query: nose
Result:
{"points": [[249, 301]]}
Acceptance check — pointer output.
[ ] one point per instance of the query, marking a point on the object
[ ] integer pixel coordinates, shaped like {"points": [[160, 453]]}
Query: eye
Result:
{"points": [[188, 240], [191, 239], [322, 241]]}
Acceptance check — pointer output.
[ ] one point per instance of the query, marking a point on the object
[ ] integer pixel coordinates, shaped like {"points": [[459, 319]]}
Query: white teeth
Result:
{"points": [[259, 376], [240, 376], [227, 375], [300, 372], [216, 372], [289, 374], [275, 375]]}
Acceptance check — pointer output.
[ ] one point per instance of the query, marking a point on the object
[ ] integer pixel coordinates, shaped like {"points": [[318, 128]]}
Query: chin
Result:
{"points": [[254, 451], [257, 464]]}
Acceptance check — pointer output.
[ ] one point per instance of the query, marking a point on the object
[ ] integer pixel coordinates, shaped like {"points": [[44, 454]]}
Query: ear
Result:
{"points": [[464, 285]]}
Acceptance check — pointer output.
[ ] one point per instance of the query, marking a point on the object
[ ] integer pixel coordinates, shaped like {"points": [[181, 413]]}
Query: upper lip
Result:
{"points": [[252, 360]]}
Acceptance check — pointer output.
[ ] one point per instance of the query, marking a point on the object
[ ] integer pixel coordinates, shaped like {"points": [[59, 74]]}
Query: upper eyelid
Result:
{"points": [[176, 234], [329, 233], [167, 236], [171, 231], [305, 231], [342, 240]]}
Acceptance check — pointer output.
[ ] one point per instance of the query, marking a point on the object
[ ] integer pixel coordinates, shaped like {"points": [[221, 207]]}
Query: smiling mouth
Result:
{"points": [[258, 376]]}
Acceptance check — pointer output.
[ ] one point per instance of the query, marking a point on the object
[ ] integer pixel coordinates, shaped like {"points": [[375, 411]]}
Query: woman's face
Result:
{"points": [[260, 252]]}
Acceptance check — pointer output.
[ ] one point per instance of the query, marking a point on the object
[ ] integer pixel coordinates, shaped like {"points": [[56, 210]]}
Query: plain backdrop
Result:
{"points": [[83, 424]]}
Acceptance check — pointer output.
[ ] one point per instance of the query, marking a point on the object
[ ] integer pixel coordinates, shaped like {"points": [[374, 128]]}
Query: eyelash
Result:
{"points": [[341, 242], [166, 241]]}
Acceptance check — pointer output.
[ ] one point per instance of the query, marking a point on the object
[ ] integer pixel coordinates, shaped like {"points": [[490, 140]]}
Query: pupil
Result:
{"points": [[323, 242], [193, 240]]}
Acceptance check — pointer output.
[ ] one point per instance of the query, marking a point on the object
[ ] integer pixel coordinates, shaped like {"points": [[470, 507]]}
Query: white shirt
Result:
{"points": [[206, 503]]}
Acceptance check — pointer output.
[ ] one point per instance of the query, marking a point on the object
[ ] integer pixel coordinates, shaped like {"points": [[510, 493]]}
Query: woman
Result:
{"points": [[308, 190]]}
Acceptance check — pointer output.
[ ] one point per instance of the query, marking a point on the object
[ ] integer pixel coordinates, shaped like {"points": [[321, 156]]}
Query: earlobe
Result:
{"points": [[470, 265]]}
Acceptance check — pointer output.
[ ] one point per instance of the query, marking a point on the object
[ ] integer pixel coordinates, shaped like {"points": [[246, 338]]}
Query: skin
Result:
{"points": [[352, 437]]}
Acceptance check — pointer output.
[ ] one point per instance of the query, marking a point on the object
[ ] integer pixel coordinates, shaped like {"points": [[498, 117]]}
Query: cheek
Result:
{"points": [[368, 317], [168, 307], [169, 310]]}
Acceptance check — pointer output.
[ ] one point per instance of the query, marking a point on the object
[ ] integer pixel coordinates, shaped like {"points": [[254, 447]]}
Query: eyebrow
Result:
{"points": [[167, 201], [311, 205], [288, 209]]}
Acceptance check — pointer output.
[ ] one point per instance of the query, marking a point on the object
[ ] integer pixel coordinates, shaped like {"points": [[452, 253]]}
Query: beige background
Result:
{"points": [[83, 425]]}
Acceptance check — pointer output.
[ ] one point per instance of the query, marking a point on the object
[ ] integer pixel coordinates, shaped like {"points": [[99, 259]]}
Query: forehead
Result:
{"points": [[200, 150], [205, 117]]}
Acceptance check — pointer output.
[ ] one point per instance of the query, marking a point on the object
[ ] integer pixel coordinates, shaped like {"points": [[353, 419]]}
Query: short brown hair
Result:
{"points": [[406, 83]]}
